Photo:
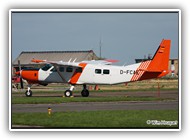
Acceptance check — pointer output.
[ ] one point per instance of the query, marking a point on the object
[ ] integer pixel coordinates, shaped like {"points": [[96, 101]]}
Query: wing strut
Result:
{"points": [[60, 74]]}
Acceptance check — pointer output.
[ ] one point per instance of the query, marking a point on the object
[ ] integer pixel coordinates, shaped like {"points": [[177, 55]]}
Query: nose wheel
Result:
{"points": [[28, 93]]}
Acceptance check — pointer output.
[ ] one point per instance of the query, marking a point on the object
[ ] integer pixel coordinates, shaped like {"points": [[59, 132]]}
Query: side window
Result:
{"points": [[106, 71], [61, 69], [98, 71], [79, 70], [69, 69]]}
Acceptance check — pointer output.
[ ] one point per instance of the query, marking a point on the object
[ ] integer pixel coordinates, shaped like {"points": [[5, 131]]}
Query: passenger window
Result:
{"points": [[69, 69], [106, 71], [79, 70], [61, 69], [98, 71]]}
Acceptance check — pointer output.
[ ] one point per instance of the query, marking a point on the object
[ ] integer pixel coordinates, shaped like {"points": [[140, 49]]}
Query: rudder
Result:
{"points": [[160, 60]]}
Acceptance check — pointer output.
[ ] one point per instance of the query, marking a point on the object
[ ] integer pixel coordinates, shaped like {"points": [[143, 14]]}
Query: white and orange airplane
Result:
{"points": [[97, 72]]}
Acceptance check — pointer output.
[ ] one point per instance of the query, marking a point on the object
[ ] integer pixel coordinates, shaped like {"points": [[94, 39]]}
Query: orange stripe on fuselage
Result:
{"points": [[140, 72], [76, 75], [30, 75]]}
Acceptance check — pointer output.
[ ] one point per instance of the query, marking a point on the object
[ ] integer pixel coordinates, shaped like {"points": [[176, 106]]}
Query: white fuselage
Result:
{"points": [[117, 74], [91, 74]]}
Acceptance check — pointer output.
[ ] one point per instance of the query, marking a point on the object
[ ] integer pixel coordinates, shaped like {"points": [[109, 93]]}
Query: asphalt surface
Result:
{"points": [[91, 106]]}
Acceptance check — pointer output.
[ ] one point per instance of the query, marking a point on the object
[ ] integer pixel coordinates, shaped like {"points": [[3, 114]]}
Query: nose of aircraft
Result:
{"points": [[29, 75]]}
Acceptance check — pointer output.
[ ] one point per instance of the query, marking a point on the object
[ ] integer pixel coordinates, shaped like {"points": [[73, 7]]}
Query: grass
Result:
{"points": [[55, 100], [97, 119]]}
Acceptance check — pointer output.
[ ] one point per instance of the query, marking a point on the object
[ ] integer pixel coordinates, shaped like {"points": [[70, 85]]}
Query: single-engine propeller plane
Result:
{"points": [[97, 72]]}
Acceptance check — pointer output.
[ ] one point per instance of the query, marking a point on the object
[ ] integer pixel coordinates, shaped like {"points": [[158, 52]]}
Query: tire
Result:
{"points": [[68, 93], [85, 93], [28, 93]]}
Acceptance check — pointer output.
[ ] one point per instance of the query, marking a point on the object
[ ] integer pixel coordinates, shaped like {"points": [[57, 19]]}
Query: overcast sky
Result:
{"points": [[124, 36]]}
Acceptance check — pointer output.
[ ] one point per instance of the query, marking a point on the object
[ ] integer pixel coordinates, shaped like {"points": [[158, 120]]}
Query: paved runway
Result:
{"points": [[91, 106], [88, 106]]}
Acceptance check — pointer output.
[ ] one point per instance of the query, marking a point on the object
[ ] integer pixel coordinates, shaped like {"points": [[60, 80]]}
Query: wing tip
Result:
{"points": [[37, 60]]}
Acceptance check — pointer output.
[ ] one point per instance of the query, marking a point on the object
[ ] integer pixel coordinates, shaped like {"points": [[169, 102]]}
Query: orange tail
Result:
{"points": [[158, 66], [161, 58]]}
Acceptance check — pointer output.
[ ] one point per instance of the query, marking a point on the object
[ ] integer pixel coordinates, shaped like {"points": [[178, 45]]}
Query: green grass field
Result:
{"points": [[56, 100], [97, 119]]}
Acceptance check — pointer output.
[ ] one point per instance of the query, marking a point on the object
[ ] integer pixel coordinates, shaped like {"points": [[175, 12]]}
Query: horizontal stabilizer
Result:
{"points": [[146, 70]]}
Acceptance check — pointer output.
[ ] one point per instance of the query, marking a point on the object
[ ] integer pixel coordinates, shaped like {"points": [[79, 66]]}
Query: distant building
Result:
{"points": [[173, 65], [26, 57]]}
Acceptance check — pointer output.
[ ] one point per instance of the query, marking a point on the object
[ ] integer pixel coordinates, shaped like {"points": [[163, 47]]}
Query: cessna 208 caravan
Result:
{"points": [[97, 72]]}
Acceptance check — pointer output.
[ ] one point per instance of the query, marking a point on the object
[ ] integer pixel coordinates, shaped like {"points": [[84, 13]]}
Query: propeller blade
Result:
{"points": [[21, 82]]}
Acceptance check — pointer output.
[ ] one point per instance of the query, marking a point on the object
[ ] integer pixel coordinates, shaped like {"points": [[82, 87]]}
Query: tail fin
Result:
{"points": [[160, 60], [157, 67]]}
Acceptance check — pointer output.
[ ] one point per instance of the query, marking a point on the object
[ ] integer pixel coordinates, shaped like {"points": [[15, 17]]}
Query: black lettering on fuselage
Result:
{"points": [[131, 72], [121, 71]]}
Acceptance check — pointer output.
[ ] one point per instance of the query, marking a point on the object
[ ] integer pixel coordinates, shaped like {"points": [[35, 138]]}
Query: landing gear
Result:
{"points": [[69, 93], [28, 93], [84, 92]]}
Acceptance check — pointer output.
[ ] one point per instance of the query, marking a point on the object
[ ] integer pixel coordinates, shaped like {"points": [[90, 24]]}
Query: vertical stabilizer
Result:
{"points": [[161, 58]]}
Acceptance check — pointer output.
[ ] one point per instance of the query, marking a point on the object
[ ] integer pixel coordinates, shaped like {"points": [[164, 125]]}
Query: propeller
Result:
{"points": [[18, 73]]}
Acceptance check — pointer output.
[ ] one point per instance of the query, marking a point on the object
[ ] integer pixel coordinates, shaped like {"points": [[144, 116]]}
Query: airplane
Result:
{"points": [[97, 72]]}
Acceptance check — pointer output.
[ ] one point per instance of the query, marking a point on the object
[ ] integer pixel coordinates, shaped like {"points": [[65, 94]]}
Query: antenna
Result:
{"points": [[100, 45]]}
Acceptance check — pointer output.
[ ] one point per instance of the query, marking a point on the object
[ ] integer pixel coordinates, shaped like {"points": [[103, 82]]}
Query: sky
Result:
{"points": [[124, 36]]}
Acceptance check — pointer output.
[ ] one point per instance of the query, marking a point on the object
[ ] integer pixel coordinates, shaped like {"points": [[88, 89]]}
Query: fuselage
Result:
{"points": [[86, 74]]}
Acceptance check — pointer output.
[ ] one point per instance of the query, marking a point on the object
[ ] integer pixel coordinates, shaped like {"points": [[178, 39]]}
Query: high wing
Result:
{"points": [[56, 63], [76, 64], [101, 62]]}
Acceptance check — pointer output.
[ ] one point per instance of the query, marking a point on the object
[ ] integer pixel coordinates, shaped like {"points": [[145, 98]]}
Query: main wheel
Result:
{"points": [[68, 93], [28, 93], [85, 93]]}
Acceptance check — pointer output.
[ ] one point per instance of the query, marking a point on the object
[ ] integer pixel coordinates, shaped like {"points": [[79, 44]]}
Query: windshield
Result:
{"points": [[46, 67]]}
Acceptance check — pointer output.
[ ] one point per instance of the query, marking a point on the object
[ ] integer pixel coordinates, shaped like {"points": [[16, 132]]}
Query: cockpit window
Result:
{"points": [[54, 70], [46, 67]]}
